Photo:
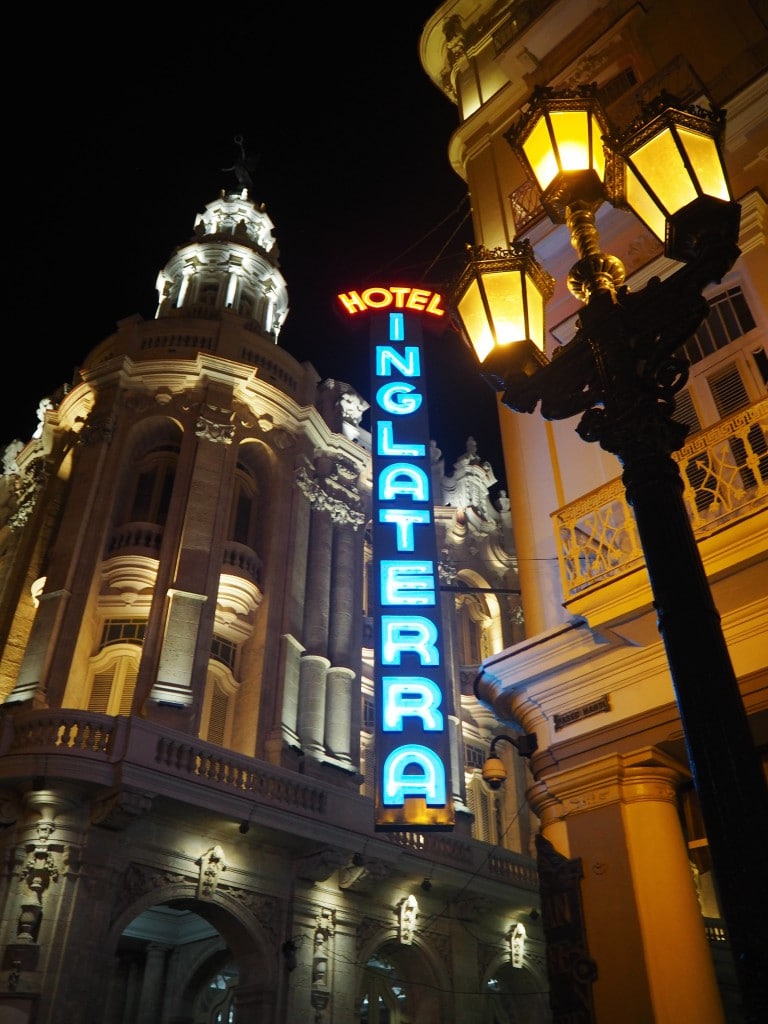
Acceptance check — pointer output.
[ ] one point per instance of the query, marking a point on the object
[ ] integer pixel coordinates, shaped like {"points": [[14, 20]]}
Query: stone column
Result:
{"points": [[318, 584], [344, 597], [644, 927], [151, 1001], [338, 712], [312, 690]]}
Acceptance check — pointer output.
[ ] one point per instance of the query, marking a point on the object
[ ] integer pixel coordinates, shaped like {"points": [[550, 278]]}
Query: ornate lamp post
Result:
{"points": [[621, 372]]}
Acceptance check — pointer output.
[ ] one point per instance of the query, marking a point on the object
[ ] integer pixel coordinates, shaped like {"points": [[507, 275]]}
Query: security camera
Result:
{"points": [[494, 772]]}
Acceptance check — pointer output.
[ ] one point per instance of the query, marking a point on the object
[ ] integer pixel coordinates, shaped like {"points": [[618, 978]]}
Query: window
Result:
{"points": [[472, 621], [245, 304], [243, 516], [217, 716], [685, 412], [729, 318], [208, 294], [112, 679], [117, 631], [384, 998], [369, 715], [474, 757], [154, 486], [761, 362], [617, 87], [367, 762], [483, 805], [219, 705], [224, 651], [728, 390]]}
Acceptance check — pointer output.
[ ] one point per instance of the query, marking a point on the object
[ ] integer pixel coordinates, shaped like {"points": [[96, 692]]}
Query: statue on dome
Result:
{"points": [[243, 166]]}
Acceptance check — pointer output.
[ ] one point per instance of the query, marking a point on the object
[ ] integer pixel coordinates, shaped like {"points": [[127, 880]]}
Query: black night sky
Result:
{"points": [[122, 134]]}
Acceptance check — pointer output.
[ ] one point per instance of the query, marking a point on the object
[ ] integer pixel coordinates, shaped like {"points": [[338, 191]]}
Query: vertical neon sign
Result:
{"points": [[413, 785]]}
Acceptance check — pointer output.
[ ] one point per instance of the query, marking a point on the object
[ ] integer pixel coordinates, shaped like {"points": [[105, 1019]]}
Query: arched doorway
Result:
{"points": [[515, 995], [400, 984], [189, 962]]}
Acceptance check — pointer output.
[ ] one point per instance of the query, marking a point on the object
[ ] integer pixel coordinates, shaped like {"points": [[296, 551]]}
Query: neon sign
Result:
{"points": [[418, 300], [413, 785]]}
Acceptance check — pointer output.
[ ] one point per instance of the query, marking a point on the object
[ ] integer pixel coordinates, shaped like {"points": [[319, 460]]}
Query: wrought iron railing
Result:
{"points": [[725, 479]]}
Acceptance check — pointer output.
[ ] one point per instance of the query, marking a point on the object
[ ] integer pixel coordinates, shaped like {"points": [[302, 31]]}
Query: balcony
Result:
{"points": [[113, 761], [725, 479]]}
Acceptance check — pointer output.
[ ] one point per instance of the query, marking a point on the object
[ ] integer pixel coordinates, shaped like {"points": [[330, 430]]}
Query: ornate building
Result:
{"points": [[613, 784], [186, 819]]}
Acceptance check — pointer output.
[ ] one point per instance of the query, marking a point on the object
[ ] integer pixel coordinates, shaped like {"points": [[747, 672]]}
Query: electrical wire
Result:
{"points": [[395, 262]]}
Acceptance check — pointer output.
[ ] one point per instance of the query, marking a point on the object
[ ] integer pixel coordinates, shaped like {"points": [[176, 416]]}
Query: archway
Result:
{"points": [[190, 961]]}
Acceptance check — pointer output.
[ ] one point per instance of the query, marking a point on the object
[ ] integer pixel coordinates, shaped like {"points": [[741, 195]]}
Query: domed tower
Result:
{"points": [[187, 530], [187, 713]]}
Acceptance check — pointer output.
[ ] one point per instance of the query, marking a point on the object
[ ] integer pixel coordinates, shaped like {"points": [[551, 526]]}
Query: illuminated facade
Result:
{"points": [[188, 745], [612, 787]]}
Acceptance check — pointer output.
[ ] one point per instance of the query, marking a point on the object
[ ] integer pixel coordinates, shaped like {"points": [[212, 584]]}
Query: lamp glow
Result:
{"points": [[564, 141], [559, 140], [674, 177], [499, 301]]}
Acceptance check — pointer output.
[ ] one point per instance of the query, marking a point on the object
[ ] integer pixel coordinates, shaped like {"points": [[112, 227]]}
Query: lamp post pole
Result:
{"points": [[620, 373], [629, 415]]}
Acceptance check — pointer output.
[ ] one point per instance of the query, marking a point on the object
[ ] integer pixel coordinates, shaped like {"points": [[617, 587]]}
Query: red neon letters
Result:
{"points": [[419, 300]]}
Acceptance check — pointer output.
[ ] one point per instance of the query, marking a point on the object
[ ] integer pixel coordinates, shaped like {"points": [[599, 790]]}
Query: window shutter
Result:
{"points": [[685, 412], [728, 391], [217, 717], [129, 686], [100, 691]]}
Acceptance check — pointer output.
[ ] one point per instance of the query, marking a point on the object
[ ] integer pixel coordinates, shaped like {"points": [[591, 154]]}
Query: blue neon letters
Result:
{"points": [[411, 721]]}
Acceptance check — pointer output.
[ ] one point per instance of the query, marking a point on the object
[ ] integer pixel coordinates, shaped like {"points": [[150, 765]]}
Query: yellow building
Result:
{"points": [[591, 680]]}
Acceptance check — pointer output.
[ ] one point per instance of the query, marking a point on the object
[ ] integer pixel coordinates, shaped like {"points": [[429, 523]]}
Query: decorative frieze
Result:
{"points": [[331, 486]]}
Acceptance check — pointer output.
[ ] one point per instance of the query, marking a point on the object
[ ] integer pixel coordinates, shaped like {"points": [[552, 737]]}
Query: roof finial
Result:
{"points": [[243, 165]]}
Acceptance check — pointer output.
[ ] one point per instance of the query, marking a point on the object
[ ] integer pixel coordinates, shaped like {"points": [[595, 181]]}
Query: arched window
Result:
{"points": [[473, 621], [208, 294], [218, 705], [244, 510], [153, 486], [384, 999], [247, 511], [514, 995], [111, 680]]}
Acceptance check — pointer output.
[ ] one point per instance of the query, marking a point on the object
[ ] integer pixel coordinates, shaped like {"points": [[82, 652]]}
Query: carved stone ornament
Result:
{"points": [[333, 490], [212, 865], [408, 911], [117, 808]]}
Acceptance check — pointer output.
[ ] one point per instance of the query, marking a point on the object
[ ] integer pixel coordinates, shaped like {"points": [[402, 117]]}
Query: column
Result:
{"points": [[338, 712], [344, 597], [312, 690], [151, 1001], [318, 583], [644, 927]]}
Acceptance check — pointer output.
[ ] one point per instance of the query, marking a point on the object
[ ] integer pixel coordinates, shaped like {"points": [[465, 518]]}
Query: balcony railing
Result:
{"points": [[107, 754], [725, 479]]}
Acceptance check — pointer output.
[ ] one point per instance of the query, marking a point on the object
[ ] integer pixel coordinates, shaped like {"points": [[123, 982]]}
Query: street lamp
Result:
{"points": [[620, 373]]}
